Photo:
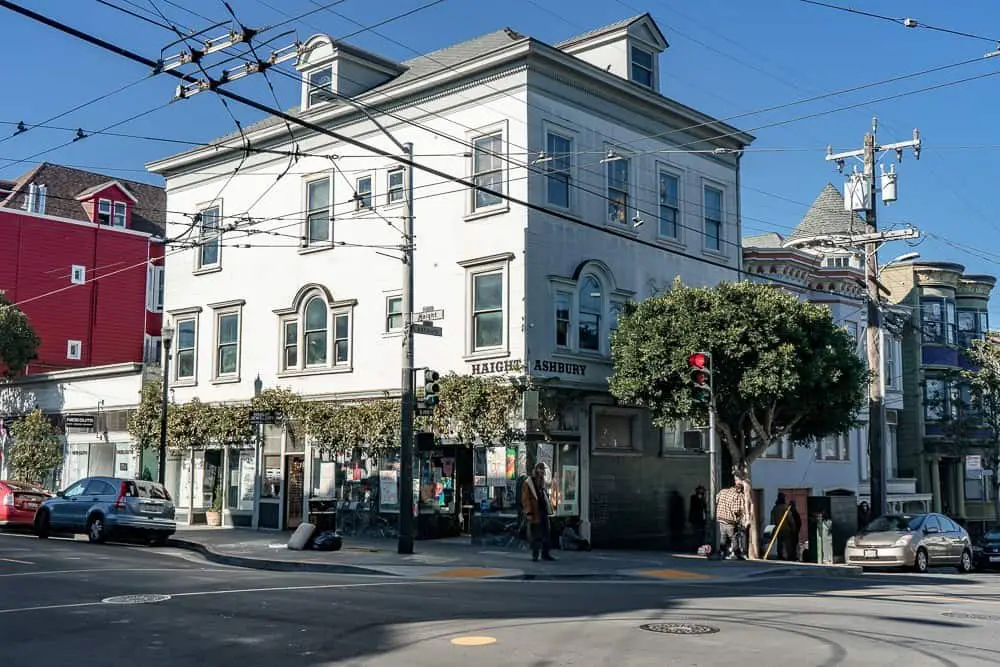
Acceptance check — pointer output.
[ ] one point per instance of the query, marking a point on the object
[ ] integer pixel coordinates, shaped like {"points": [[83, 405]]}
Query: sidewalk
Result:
{"points": [[457, 559]]}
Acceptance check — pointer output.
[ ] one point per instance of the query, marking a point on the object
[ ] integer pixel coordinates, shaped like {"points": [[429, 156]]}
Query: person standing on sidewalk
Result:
{"points": [[729, 506], [698, 515], [535, 504]]}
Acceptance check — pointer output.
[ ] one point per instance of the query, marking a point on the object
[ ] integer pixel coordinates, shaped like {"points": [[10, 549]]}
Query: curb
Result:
{"points": [[827, 572], [273, 565]]}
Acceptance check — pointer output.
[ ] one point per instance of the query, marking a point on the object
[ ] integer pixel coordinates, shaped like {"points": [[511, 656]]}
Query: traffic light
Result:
{"points": [[700, 367], [431, 388]]}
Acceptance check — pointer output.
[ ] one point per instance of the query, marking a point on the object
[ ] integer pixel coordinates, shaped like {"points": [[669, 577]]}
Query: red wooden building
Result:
{"points": [[82, 255]]}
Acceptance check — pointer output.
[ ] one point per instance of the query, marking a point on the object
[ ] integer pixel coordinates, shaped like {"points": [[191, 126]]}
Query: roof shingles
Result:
{"points": [[827, 217]]}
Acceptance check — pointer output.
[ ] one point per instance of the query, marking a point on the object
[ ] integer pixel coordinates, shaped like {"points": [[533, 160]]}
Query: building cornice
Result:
{"points": [[89, 373]]}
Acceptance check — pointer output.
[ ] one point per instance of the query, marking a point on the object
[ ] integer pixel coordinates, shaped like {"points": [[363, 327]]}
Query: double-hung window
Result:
{"points": [[118, 216], [713, 218], [104, 211], [394, 314], [559, 151], [363, 193], [487, 310], [642, 67], [563, 308], [669, 205], [290, 344], [395, 190], [618, 190], [209, 240], [315, 331], [186, 348], [321, 86], [487, 169], [318, 212], [227, 351], [938, 321]]}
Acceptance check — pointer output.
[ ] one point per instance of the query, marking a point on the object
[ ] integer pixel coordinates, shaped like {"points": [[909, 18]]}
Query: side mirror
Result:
{"points": [[60, 494]]}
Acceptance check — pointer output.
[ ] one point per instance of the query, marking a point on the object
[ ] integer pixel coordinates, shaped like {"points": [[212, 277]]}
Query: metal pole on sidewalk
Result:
{"points": [[713, 476], [408, 401]]}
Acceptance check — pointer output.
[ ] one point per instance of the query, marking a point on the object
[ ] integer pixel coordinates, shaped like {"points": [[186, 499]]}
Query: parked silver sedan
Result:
{"points": [[917, 541]]}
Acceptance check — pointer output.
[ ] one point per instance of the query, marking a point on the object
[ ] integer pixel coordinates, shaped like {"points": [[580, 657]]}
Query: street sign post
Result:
{"points": [[426, 330], [259, 417]]}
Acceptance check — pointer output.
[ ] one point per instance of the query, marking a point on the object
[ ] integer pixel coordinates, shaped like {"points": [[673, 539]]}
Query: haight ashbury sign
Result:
{"points": [[538, 366]]}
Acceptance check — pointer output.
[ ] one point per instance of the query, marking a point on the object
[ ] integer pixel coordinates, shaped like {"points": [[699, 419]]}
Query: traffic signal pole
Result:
{"points": [[703, 379]]}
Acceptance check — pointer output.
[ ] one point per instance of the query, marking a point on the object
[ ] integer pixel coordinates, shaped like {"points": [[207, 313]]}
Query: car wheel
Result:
{"points": [[921, 563], [966, 565], [96, 532], [42, 525]]}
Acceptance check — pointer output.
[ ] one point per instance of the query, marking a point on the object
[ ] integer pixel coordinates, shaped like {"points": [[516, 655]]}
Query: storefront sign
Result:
{"points": [[79, 421], [487, 367], [560, 367]]}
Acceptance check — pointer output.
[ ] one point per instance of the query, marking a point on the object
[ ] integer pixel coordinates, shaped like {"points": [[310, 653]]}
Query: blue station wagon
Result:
{"points": [[106, 507]]}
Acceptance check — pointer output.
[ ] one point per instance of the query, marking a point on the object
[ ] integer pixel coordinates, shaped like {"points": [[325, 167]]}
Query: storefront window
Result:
{"points": [[241, 474], [495, 474], [272, 476], [565, 489]]}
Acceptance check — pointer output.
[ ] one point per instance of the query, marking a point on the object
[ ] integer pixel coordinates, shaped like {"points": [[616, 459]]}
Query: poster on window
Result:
{"points": [[496, 466], [388, 491], [247, 472], [570, 484]]}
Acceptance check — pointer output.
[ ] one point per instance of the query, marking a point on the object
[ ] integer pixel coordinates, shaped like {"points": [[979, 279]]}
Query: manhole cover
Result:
{"points": [[971, 617], [679, 628], [136, 599]]}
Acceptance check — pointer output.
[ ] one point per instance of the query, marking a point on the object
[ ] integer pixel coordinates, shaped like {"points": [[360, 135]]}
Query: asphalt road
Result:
{"points": [[55, 610]]}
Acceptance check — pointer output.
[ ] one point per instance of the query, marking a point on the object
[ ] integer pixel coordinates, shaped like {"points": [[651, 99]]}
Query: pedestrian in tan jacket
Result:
{"points": [[536, 508]]}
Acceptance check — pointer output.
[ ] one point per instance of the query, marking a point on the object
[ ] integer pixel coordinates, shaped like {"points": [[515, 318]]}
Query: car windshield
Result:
{"points": [[993, 534], [895, 523]]}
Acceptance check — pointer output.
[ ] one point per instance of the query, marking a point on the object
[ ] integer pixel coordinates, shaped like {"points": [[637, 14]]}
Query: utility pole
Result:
{"points": [[408, 398], [872, 240]]}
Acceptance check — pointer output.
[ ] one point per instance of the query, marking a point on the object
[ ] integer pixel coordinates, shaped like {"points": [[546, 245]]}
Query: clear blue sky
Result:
{"points": [[727, 57]]}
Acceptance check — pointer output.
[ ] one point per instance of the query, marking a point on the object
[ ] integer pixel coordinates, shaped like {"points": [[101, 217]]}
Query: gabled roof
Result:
{"points": [[90, 192], [624, 24], [64, 184], [827, 217]]}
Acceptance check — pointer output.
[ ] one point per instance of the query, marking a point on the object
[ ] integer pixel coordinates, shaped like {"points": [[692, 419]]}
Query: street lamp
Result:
{"points": [[167, 336]]}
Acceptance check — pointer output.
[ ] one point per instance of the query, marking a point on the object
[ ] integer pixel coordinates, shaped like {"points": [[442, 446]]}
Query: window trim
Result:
{"points": [[199, 265], [387, 328], [633, 48], [630, 186], [390, 189], [221, 310], [114, 214], [78, 274], [949, 329], [296, 313], [98, 213], [550, 129], [843, 445], [154, 287], [308, 86], [179, 380], [717, 187], [635, 414], [475, 267], [662, 169], [307, 180], [611, 296], [359, 204], [570, 318], [74, 350], [472, 211]]}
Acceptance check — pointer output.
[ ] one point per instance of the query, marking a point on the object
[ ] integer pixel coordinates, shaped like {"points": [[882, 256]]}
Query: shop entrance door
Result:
{"points": [[294, 489]]}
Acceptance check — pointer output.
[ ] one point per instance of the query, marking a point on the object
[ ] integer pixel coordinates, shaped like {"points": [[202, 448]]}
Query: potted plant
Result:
{"points": [[213, 517]]}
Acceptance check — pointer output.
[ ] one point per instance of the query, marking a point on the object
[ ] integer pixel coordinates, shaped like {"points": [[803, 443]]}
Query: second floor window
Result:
{"points": [[487, 310], [669, 205], [713, 218], [557, 178], [972, 325], [228, 345], [394, 313], [184, 356], [591, 309], [317, 336], [363, 194], [395, 192], [937, 320]]}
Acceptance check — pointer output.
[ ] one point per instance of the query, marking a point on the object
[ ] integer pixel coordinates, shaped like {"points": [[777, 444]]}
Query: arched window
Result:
{"points": [[591, 300], [315, 332]]}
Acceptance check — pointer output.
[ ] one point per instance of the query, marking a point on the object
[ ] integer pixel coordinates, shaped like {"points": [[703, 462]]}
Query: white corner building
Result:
{"points": [[296, 279]]}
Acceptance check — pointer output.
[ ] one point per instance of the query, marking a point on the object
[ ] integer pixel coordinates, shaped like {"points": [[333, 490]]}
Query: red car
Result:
{"points": [[18, 502]]}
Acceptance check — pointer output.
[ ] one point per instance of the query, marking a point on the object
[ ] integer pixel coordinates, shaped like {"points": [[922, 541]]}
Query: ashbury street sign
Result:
{"points": [[537, 366]]}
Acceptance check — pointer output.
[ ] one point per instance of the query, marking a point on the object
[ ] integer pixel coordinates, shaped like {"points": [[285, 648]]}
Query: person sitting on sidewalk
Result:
{"points": [[570, 539], [729, 511]]}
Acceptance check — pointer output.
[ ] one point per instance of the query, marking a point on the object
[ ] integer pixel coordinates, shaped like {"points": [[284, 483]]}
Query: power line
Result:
{"points": [[903, 21]]}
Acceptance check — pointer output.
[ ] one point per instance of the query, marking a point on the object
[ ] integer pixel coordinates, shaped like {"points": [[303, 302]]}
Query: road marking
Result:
{"points": [[49, 607], [473, 641], [467, 573], [14, 560], [673, 574], [316, 587]]}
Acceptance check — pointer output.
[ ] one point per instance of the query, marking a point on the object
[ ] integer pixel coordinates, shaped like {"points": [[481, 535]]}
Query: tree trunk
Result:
{"points": [[750, 511]]}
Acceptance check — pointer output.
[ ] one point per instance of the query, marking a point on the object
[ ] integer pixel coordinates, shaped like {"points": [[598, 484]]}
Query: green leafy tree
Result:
{"points": [[476, 408], [984, 389], [18, 340], [781, 367], [37, 448], [144, 422]]}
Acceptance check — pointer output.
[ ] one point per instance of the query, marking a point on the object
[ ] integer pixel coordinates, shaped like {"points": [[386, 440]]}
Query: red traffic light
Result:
{"points": [[698, 360]]}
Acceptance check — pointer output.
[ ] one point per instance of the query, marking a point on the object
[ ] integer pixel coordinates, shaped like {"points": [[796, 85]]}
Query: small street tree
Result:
{"points": [[37, 448], [781, 367], [18, 340], [984, 390]]}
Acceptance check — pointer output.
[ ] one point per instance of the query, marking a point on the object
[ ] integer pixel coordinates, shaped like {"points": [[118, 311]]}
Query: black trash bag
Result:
{"points": [[328, 540]]}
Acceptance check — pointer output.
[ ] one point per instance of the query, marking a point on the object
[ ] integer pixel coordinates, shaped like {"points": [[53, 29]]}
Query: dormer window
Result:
{"points": [[118, 218], [642, 67], [321, 86], [34, 200], [104, 211]]}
